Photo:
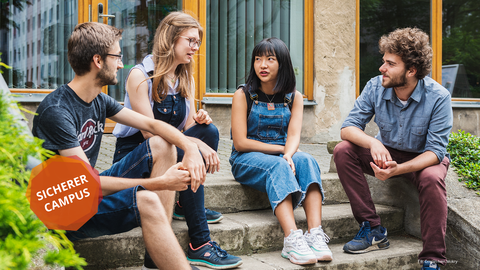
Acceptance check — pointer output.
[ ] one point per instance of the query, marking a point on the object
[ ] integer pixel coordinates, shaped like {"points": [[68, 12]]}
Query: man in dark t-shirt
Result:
{"points": [[71, 122]]}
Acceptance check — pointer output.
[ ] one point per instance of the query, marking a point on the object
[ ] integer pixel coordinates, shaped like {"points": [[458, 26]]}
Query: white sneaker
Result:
{"points": [[317, 240], [295, 248]]}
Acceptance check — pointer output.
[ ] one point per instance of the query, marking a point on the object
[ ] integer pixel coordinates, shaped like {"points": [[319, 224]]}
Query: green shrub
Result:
{"points": [[464, 150], [22, 235]]}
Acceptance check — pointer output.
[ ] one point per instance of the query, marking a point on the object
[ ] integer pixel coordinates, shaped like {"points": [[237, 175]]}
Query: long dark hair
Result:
{"points": [[285, 76]]}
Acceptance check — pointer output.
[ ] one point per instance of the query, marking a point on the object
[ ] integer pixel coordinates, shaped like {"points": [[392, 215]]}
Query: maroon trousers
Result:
{"points": [[353, 161]]}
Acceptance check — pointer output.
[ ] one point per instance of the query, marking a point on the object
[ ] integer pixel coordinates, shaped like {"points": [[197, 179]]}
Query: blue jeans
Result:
{"points": [[193, 203], [273, 175], [118, 212]]}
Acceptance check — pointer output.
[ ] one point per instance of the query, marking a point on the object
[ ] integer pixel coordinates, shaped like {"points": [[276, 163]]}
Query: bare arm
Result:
{"points": [[383, 165], [173, 179], [239, 129], [294, 129], [192, 160], [137, 89], [426, 159], [357, 136]]}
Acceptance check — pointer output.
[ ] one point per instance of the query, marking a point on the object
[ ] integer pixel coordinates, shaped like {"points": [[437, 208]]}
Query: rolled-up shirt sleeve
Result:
{"points": [[440, 127], [364, 108]]}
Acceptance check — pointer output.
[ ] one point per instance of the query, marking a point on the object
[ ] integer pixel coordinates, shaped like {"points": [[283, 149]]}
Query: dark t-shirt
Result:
{"points": [[65, 121]]}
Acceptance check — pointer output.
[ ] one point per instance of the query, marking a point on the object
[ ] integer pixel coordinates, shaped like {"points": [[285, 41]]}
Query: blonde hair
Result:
{"points": [[166, 36]]}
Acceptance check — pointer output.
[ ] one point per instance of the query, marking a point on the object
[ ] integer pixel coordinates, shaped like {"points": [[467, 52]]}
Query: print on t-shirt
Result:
{"points": [[88, 134]]}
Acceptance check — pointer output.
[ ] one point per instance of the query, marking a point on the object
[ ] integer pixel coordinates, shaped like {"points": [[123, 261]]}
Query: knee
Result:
{"points": [[149, 205], [342, 148], [161, 148], [431, 181], [211, 135]]}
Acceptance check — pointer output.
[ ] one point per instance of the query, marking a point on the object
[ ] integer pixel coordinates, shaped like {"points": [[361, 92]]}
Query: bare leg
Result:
{"points": [[312, 205], [164, 156], [156, 209], [160, 241], [284, 213]]}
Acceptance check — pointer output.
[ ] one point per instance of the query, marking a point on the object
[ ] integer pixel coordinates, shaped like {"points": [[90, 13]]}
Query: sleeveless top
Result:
{"points": [[163, 110]]}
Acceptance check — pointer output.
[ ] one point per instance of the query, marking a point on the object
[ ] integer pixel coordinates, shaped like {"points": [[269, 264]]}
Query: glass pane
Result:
{"points": [[139, 20], [33, 41], [461, 48], [234, 27], [380, 17]]}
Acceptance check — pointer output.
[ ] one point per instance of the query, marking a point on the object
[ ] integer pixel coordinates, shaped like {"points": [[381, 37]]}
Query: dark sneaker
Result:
{"points": [[212, 216], [148, 263], [211, 255], [429, 265], [368, 239]]}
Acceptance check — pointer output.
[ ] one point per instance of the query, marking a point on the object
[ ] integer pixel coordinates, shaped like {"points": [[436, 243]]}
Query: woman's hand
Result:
{"points": [[212, 162], [202, 117], [288, 158]]}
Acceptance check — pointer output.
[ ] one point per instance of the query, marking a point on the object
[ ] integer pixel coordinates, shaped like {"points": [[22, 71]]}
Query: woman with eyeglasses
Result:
{"points": [[162, 87]]}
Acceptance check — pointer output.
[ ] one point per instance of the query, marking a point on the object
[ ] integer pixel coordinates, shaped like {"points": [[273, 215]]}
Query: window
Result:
{"points": [[460, 50], [54, 50], [235, 27], [28, 25], [378, 18], [232, 30]]}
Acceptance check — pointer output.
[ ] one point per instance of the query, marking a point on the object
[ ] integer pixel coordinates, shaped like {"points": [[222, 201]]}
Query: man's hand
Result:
{"points": [[389, 170], [212, 162], [193, 163], [380, 154], [176, 178], [202, 117]]}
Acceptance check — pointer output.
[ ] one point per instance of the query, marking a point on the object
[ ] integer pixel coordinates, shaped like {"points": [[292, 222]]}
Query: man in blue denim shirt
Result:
{"points": [[414, 116]]}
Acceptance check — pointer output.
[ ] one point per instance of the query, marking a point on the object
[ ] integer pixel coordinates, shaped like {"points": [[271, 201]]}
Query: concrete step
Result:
{"points": [[240, 233], [402, 254], [224, 194]]}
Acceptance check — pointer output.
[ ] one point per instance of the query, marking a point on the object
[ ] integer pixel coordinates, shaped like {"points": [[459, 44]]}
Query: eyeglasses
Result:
{"points": [[119, 56], [192, 42]]}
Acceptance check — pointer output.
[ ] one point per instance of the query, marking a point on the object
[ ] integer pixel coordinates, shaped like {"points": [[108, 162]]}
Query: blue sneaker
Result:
{"points": [[212, 216], [367, 239], [211, 255], [429, 265]]}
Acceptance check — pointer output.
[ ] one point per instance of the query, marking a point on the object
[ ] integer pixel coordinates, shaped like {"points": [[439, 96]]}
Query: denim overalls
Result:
{"points": [[172, 110], [271, 173]]}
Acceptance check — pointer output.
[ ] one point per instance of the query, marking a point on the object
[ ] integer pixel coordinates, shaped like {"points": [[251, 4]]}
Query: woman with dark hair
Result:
{"points": [[266, 127], [162, 87]]}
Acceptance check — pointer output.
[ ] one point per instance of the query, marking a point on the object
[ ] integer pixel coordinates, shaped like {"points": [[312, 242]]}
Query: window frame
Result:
{"points": [[198, 8], [436, 42]]}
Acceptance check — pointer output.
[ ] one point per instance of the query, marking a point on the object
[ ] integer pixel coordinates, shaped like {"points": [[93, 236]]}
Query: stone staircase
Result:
{"points": [[250, 230]]}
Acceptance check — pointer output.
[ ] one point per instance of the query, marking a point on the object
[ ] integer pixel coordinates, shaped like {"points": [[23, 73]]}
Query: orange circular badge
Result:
{"points": [[64, 192]]}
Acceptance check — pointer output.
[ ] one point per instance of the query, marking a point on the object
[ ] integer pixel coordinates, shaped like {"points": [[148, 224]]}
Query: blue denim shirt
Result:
{"points": [[423, 124]]}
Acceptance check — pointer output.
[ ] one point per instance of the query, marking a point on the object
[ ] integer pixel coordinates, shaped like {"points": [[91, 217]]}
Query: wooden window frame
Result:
{"points": [[436, 34], [198, 8]]}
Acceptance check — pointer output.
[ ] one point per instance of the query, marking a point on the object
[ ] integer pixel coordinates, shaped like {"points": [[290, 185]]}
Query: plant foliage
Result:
{"points": [[22, 235], [464, 150]]}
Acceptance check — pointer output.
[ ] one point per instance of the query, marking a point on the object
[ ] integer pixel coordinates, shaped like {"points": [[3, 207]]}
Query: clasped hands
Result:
{"points": [[383, 166]]}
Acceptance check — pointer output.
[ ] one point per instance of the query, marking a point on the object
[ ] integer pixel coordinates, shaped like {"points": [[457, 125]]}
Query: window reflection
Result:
{"points": [[378, 18], [18, 23], [461, 48]]}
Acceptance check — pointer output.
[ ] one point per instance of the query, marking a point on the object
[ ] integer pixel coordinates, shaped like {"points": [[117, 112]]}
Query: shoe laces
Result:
{"points": [[220, 252], [363, 232], [320, 235], [299, 241]]}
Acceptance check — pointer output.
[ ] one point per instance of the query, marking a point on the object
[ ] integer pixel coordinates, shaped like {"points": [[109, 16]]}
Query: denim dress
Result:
{"points": [[268, 172]]}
